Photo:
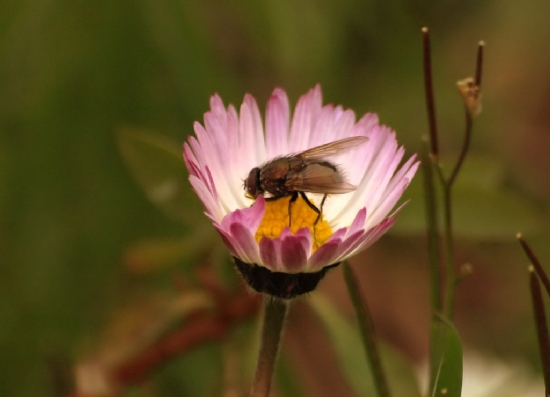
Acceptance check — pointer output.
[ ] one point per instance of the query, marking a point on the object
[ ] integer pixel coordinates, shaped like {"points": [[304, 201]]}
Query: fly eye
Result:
{"points": [[252, 183]]}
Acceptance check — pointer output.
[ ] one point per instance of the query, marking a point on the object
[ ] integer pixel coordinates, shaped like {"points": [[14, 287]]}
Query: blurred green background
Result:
{"points": [[75, 75]]}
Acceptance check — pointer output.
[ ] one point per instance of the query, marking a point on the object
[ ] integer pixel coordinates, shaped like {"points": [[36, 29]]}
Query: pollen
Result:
{"points": [[275, 220]]}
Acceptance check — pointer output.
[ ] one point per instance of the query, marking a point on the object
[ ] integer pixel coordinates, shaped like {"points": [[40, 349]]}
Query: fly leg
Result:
{"points": [[313, 207], [318, 219], [317, 210], [320, 212], [292, 199]]}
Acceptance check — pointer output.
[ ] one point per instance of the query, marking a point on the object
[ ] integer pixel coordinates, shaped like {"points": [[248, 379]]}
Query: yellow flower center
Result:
{"points": [[276, 219]]}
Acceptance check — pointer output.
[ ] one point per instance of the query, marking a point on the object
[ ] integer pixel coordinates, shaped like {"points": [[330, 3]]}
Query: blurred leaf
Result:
{"points": [[493, 214], [287, 380], [156, 163], [347, 344], [482, 207], [147, 256], [190, 36], [133, 330], [199, 373], [239, 357], [301, 60], [137, 326], [447, 348], [481, 171]]}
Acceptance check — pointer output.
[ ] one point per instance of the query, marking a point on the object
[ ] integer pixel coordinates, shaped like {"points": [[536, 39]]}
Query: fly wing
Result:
{"points": [[318, 178], [333, 148]]}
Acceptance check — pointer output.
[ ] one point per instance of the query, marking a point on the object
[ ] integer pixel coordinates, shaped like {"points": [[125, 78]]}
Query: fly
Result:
{"points": [[306, 172]]}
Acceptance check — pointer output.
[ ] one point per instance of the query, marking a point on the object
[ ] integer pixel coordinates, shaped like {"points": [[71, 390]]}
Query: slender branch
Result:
{"points": [[434, 241], [464, 150], [471, 110], [479, 63], [450, 283], [432, 232], [448, 217], [542, 327], [428, 89], [275, 311], [368, 334], [200, 329], [535, 262]]}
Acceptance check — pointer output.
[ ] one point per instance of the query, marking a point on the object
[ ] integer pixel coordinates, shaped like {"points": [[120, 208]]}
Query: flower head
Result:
{"points": [[291, 221]]}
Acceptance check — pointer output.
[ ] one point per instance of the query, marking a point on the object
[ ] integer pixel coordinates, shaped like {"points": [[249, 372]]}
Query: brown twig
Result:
{"points": [[479, 63], [428, 89], [206, 324], [535, 262], [199, 329], [542, 327]]}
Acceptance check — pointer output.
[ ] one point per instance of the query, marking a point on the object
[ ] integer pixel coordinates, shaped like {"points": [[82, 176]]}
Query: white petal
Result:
{"points": [[276, 124]]}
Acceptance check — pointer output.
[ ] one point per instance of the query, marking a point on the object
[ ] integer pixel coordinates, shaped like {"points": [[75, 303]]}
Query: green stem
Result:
{"points": [[433, 237], [464, 151], [447, 209], [450, 283], [432, 232], [275, 311], [368, 335]]}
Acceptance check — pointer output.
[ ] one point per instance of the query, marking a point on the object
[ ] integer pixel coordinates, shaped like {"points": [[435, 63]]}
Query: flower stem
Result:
{"points": [[448, 216], [368, 336], [447, 184], [541, 325], [432, 231], [450, 271], [433, 237], [275, 311]]}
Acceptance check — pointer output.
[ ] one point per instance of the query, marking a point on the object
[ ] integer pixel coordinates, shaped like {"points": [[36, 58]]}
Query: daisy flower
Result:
{"points": [[284, 243]]}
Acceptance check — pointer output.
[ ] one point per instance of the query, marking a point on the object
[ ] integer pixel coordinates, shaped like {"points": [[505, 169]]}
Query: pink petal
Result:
{"points": [[245, 244], [343, 126], [406, 173], [285, 233], [348, 244], [358, 223], [210, 203], [293, 254], [227, 240], [370, 237], [322, 128], [324, 256], [338, 234], [216, 105], [189, 159], [270, 253], [250, 217], [389, 202]]}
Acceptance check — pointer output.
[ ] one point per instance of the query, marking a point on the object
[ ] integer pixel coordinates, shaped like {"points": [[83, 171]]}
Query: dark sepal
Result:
{"points": [[278, 284]]}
